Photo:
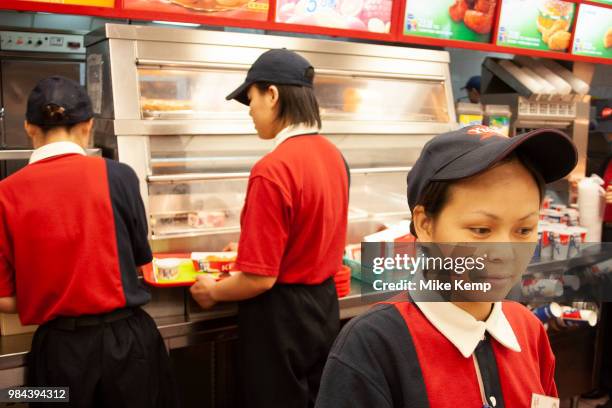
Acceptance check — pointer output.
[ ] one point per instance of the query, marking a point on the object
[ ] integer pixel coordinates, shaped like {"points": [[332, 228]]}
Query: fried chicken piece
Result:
{"points": [[559, 41], [478, 22], [457, 10], [608, 38]]}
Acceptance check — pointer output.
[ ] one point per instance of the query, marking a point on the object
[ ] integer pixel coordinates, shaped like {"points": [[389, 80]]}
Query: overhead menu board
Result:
{"points": [[540, 25], [360, 15], [468, 20], [90, 3], [593, 36], [239, 9]]}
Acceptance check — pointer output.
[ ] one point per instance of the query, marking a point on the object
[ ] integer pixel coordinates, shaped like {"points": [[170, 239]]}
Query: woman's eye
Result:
{"points": [[525, 231], [480, 230]]}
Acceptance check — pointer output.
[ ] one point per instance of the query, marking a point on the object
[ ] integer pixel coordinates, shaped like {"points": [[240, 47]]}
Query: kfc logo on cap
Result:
{"points": [[484, 132]]}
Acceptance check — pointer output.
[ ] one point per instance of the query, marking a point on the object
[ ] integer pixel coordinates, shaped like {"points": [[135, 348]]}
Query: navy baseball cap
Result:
{"points": [[68, 95], [474, 149], [279, 66], [473, 83]]}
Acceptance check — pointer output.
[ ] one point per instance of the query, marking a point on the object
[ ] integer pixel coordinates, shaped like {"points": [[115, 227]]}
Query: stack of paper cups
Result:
{"points": [[578, 317], [548, 311], [591, 206]]}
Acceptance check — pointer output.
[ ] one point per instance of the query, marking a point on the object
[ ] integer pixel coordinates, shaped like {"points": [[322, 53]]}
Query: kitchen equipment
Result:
{"points": [[26, 57]]}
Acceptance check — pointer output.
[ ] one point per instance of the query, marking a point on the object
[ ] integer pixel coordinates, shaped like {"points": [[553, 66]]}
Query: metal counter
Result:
{"points": [[217, 324]]}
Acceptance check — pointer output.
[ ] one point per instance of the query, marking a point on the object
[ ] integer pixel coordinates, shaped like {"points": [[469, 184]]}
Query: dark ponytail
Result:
{"points": [[53, 113]]}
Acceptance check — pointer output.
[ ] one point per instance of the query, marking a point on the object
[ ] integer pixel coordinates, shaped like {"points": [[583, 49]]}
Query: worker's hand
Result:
{"points": [[231, 247], [609, 194], [201, 291], [223, 275], [554, 326]]}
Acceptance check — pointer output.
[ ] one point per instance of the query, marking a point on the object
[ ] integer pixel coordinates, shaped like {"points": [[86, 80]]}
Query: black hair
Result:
{"points": [[53, 116], [435, 196], [297, 104]]}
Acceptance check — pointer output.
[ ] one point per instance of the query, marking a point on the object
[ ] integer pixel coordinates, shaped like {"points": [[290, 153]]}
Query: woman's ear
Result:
{"points": [[272, 95], [29, 129], [84, 133], [423, 224]]}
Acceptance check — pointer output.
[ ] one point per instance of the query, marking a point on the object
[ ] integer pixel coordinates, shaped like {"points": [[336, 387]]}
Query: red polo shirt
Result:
{"points": [[293, 224], [72, 231]]}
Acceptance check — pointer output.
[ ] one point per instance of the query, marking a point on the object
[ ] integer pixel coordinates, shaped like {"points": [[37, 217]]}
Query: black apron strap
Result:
{"points": [[489, 372]]}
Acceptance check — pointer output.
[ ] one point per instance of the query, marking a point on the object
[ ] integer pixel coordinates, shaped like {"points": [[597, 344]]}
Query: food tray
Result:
{"points": [[187, 273]]}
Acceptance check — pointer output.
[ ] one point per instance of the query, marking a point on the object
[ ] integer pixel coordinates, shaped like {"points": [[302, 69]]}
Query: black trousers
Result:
{"points": [[606, 322], [285, 336], [114, 360]]}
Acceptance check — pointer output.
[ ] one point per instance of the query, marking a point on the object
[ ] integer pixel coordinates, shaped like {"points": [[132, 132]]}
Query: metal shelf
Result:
{"points": [[589, 256], [186, 177]]}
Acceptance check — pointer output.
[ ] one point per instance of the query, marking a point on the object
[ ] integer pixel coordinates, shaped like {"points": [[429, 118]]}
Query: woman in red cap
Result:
{"points": [[293, 231], [458, 348]]}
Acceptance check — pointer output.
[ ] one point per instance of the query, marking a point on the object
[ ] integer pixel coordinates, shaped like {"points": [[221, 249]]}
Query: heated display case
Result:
{"points": [[160, 94]]}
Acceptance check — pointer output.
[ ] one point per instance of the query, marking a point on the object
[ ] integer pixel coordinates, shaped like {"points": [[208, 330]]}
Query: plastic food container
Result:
{"points": [[167, 268], [214, 261], [469, 114], [498, 117]]}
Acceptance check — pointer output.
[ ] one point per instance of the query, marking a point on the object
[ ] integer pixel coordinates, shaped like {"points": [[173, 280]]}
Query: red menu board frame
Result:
{"points": [[493, 47], [396, 35]]}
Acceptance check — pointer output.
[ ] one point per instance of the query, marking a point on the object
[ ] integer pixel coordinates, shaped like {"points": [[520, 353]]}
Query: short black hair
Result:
{"points": [[435, 196], [297, 104]]}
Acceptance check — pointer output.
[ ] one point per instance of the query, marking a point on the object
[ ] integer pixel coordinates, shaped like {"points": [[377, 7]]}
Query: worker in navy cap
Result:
{"points": [[471, 186], [292, 239], [73, 232], [472, 88]]}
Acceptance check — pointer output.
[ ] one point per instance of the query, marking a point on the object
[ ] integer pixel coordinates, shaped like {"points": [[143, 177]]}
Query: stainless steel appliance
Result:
{"points": [[25, 58], [540, 93], [159, 96]]}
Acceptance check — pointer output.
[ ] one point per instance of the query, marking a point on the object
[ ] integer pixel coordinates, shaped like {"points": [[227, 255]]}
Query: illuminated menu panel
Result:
{"points": [[360, 15], [91, 3], [540, 25], [238, 9], [593, 35], [456, 20]]}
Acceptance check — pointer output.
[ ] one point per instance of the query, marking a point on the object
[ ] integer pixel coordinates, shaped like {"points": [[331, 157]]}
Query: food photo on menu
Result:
{"points": [[244, 9], [361, 15]]}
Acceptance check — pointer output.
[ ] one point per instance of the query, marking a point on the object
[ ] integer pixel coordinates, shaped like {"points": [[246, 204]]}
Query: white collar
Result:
{"points": [[464, 331], [55, 149], [294, 130]]}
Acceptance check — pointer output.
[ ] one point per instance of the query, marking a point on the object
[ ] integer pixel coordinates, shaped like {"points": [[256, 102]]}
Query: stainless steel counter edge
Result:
{"points": [[181, 331]]}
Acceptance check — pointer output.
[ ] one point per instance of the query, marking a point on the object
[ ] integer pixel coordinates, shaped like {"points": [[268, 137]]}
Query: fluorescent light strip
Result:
{"points": [[176, 23]]}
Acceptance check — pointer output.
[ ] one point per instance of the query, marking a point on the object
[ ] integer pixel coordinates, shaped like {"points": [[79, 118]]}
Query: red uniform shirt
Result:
{"points": [[521, 374], [72, 230], [293, 224], [394, 357]]}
